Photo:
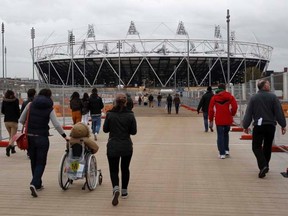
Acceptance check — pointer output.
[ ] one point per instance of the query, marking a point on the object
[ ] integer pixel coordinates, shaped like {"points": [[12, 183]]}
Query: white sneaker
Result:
{"points": [[227, 153], [222, 156]]}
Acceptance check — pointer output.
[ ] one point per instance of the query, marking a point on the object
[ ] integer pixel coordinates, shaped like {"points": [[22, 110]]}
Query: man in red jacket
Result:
{"points": [[224, 106]]}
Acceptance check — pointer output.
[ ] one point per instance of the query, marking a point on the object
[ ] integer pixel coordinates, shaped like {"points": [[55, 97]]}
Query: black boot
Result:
{"points": [[8, 148], [13, 150]]}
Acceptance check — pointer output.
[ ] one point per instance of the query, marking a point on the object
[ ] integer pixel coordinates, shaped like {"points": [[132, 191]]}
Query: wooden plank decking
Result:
{"points": [[174, 171]]}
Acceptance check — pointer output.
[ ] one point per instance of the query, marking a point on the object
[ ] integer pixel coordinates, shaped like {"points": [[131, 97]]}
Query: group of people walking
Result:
{"points": [[120, 123], [264, 110]]}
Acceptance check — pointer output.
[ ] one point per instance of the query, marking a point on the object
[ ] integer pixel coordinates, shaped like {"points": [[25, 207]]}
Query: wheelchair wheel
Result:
{"points": [[91, 172], [63, 179]]}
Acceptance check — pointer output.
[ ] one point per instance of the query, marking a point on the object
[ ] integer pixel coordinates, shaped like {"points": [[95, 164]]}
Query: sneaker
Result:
{"points": [[33, 191], [116, 194], [41, 188], [227, 153], [263, 172], [222, 156], [124, 196]]}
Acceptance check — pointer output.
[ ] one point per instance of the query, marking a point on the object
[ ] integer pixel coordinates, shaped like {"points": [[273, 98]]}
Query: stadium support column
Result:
{"points": [[33, 60], [228, 50]]}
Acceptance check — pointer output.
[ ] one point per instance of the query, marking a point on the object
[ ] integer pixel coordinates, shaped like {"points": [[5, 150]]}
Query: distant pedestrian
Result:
{"points": [[76, 107], [95, 106], [11, 111], [159, 99], [224, 106], [265, 110], [177, 103], [30, 96], [85, 108], [204, 106], [169, 101], [40, 113], [130, 103], [145, 99], [139, 100], [120, 123], [151, 100]]}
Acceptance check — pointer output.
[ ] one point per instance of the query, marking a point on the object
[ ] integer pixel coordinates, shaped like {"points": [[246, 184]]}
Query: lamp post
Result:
{"points": [[119, 46], [72, 42], [5, 51], [2, 31], [33, 60], [228, 49]]}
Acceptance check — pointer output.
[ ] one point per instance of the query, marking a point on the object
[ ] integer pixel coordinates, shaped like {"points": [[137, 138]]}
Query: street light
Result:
{"points": [[2, 31], [71, 43], [33, 37], [119, 46], [228, 49]]}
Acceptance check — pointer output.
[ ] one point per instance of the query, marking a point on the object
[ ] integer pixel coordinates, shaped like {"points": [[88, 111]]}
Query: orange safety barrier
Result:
{"points": [[237, 129], [276, 148], [4, 143], [285, 109], [246, 137]]}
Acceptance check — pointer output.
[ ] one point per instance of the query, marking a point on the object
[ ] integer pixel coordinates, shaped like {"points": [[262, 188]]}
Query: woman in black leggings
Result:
{"points": [[120, 123]]}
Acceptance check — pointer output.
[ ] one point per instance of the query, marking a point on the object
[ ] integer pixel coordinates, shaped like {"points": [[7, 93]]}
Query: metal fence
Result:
{"points": [[61, 95]]}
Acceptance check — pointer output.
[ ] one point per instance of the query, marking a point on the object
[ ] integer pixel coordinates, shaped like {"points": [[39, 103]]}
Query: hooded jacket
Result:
{"points": [[80, 132], [10, 109], [224, 106]]}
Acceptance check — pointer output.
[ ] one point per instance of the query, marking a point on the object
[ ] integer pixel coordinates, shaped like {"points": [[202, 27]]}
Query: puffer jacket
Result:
{"points": [[120, 125], [10, 109], [224, 106]]}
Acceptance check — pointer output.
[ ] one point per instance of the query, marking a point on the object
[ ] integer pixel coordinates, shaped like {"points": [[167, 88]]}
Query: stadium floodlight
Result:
{"points": [[217, 33], [90, 33], [181, 29], [132, 29]]}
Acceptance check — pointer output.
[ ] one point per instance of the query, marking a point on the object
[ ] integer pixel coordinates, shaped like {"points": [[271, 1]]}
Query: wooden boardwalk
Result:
{"points": [[175, 170]]}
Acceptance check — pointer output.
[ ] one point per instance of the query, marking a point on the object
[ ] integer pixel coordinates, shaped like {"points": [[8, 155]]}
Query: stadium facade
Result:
{"points": [[148, 62]]}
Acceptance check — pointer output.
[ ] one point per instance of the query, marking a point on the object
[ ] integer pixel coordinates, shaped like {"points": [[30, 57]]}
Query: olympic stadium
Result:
{"points": [[178, 61]]}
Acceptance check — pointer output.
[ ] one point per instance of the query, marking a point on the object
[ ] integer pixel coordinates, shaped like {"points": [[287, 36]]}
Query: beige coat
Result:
{"points": [[80, 132]]}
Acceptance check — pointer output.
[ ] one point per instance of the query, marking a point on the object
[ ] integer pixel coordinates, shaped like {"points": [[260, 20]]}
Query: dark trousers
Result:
{"points": [[177, 108], [114, 170], [38, 150], [223, 138], [262, 144], [205, 117], [169, 106]]}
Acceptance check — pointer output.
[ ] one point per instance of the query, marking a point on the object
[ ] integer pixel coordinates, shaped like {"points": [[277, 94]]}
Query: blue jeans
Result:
{"points": [[96, 123], [205, 117], [38, 150], [223, 138]]}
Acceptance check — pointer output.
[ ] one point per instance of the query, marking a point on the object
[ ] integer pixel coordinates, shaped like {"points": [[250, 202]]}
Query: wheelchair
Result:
{"points": [[79, 163]]}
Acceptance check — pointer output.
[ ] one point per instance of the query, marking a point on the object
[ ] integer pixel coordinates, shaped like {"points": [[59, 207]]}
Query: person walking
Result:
{"points": [[40, 113], [85, 108], [120, 123], [225, 107], [11, 111], [30, 96], [204, 106], [151, 100], [169, 101], [95, 107], [159, 99], [177, 103], [130, 103], [76, 107], [265, 110]]}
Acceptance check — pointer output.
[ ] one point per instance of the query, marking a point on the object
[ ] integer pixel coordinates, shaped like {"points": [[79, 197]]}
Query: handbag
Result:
{"points": [[21, 138]]}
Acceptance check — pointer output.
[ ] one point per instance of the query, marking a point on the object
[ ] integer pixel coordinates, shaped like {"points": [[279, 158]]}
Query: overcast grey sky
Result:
{"points": [[260, 21]]}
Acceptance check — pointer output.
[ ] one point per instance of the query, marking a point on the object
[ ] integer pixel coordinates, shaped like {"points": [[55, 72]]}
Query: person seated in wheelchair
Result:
{"points": [[80, 133]]}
